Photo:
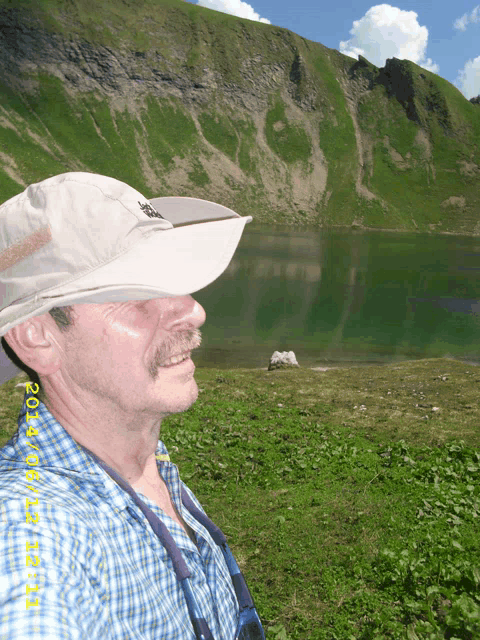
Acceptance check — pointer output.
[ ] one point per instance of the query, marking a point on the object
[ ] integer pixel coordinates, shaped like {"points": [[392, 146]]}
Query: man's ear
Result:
{"points": [[35, 344]]}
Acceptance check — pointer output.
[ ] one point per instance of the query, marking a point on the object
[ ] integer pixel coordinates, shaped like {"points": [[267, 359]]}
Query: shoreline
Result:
{"points": [[360, 227], [366, 364], [416, 231]]}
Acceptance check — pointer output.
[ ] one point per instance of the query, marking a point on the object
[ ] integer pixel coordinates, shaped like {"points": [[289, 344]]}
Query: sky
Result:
{"points": [[441, 36]]}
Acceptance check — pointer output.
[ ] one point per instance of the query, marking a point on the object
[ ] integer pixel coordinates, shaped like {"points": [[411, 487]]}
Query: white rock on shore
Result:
{"points": [[282, 360]]}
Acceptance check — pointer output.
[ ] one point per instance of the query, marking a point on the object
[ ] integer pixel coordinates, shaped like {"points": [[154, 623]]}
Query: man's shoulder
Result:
{"points": [[49, 490]]}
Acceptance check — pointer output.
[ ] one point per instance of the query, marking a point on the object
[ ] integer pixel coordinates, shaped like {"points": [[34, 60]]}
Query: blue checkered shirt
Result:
{"points": [[78, 558]]}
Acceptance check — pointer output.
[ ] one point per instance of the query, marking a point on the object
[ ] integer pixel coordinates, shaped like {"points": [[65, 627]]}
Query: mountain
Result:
{"points": [[176, 99]]}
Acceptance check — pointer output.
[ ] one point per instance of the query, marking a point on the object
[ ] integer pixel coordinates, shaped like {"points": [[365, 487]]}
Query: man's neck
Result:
{"points": [[130, 452]]}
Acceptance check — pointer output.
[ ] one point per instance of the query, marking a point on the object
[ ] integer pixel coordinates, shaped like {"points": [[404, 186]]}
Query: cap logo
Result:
{"points": [[149, 210]]}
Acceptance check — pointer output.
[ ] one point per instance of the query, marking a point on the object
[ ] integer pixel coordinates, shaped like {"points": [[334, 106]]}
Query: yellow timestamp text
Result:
{"points": [[32, 517]]}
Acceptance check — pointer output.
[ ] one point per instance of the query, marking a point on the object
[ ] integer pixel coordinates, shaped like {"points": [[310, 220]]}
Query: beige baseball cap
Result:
{"points": [[86, 238]]}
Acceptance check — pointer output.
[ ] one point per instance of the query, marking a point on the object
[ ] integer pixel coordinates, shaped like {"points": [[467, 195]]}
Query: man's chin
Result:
{"points": [[175, 395]]}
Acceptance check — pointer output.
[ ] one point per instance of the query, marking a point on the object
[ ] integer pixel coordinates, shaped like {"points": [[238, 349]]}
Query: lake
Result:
{"points": [[342, 298]]}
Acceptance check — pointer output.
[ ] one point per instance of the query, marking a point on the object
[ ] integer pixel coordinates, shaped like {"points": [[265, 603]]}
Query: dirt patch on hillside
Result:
{"points": [[5, 122], [297, 185], [225, 176], [422, 141], [396, 157], [307, 187], [454, 201], [272, 172], [150, 172], [468, 168], [10, 168], [177, 179]]}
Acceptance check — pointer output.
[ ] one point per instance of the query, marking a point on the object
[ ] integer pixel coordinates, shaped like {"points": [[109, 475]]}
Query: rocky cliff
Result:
{"points": [[177, 99]]}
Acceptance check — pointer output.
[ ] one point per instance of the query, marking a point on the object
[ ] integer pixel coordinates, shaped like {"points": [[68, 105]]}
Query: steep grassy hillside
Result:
{"points": [[177, 99]]}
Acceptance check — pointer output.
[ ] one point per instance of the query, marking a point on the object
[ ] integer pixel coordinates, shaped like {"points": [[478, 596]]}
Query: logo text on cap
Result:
{"points": [[149, 210]]}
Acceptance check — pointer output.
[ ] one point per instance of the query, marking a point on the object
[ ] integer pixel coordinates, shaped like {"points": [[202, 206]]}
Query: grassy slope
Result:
{"points": [[351, 504], [453, 125], [337, 141], [88, 134]]}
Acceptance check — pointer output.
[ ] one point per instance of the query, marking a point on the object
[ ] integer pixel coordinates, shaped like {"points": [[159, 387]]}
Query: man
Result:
{"points": [[91, 506]]}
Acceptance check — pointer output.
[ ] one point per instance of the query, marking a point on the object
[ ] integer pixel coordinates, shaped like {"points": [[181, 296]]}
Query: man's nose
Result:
{"points": [[184, 311]]}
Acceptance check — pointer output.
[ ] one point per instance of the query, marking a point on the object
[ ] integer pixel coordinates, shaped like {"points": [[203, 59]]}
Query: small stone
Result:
{"points": [[282, 360]]}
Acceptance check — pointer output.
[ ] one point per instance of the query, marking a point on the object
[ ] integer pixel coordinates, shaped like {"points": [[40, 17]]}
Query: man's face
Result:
{"points": [[116, 351]]}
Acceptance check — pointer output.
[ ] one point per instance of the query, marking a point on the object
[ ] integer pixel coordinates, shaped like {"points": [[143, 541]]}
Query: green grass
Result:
{"points": [[350, 503], [218, 130], [198, 176], [337, 141], [452, 126], [247, 132], [290, 142], [89, 135]]}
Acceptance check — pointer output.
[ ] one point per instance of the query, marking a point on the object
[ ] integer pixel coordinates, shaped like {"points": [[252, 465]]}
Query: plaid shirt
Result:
{"points": [[78, 558]]}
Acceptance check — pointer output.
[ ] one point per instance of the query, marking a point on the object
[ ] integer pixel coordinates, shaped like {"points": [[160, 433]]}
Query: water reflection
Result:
{"points": [[343, 297]]}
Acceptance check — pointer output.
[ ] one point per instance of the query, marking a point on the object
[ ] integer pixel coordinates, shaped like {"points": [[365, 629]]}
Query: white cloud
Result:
{"points": [[461, 23], [389, 32], [234, 7], [468, 79]]}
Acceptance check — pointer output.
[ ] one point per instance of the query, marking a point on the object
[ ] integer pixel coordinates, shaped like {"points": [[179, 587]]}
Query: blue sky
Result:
{"points": [[440, 36]]}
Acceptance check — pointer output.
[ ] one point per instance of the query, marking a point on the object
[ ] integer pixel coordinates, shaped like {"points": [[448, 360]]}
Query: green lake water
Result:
{"points": [[343, 298]]}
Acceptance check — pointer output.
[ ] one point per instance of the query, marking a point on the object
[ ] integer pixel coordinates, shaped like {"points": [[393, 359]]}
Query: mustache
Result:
{"points": [[182, 341]]}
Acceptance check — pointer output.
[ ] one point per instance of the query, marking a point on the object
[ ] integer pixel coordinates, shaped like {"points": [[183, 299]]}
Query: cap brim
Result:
{"points": [[172, 262]]}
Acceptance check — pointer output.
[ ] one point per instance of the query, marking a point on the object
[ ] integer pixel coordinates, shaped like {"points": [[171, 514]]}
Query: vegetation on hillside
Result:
{"points": [[172, 97]]}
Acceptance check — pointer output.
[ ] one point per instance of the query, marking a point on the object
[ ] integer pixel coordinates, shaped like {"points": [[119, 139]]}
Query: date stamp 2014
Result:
{"points": [[32, 517]]}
